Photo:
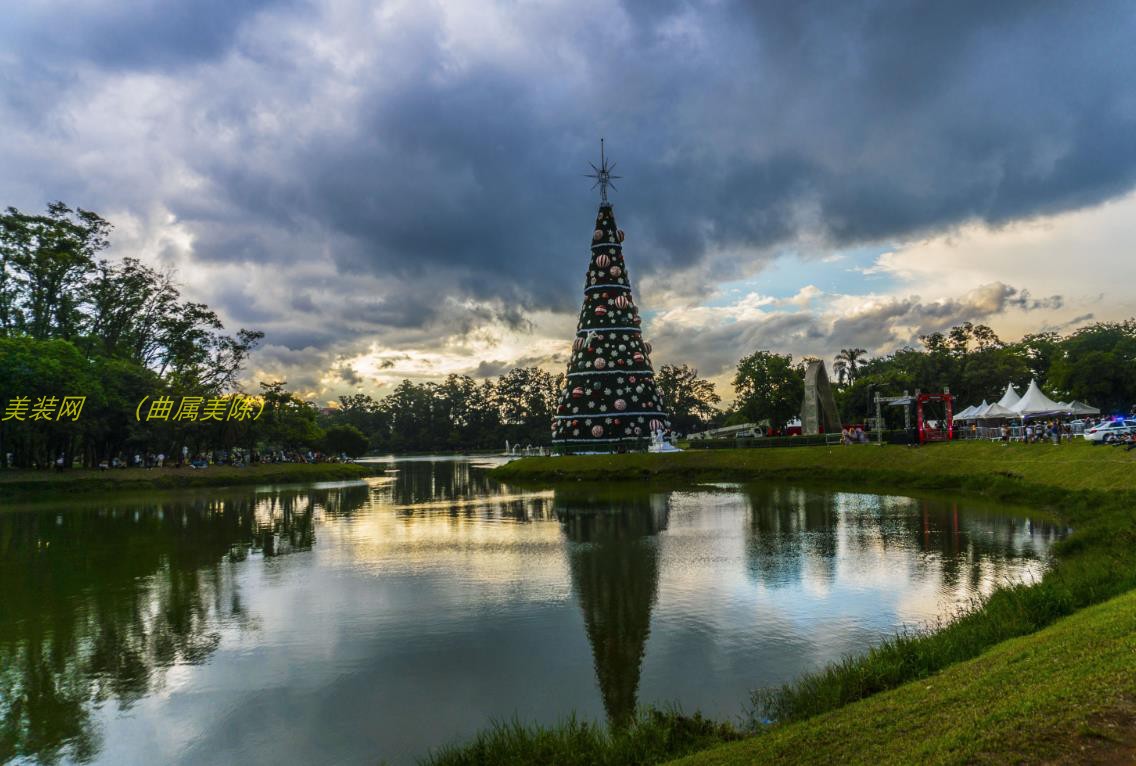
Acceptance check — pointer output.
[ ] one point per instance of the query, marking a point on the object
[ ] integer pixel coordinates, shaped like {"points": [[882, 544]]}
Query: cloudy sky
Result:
{"points": [[394, 189]]}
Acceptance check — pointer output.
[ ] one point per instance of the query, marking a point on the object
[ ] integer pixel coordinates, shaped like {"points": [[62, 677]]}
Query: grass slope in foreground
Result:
{"points": [[1066, 694], [29, 485]]}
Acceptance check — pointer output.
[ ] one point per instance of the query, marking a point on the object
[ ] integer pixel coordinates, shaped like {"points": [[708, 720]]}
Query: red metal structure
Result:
{"points": [[944, 430]]}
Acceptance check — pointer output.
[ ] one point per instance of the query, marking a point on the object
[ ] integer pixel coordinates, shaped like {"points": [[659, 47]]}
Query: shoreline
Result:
{"points": [[34, 485]]}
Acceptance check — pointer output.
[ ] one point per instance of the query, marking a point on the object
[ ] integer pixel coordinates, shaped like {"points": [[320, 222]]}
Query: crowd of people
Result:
{"points": [[853, 435], [234, 457], [1052, 431]]}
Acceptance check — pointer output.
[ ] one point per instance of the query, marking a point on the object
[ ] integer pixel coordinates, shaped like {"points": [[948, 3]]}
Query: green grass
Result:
{"points": [[1074, 466], [30, 485], [1064, 694], [1093, 489], [653, 737]]}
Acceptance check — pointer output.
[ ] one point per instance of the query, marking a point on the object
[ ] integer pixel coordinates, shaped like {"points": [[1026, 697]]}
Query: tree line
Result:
{"points": [[1094, 364]]}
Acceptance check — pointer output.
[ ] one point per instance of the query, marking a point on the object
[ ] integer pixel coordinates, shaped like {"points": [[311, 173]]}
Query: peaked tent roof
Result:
{"points": [[977, 410], [996, 410], [1033, 402], [1080, 408], [1010, 398], [965, 414]]}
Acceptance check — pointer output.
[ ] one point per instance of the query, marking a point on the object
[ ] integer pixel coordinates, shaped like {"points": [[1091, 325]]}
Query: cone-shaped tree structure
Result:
{"points": [[614, 559], [610, 400]]}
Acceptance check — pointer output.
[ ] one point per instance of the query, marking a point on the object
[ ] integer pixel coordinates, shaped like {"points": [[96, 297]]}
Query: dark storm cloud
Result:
{"points": [[131, 34], [445, 170], [877, 120]]}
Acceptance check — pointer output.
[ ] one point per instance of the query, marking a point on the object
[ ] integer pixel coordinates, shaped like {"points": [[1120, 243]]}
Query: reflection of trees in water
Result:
{"points": [[463, 491], [794, 529], [790, 527], [614, 559], [99, 602]]}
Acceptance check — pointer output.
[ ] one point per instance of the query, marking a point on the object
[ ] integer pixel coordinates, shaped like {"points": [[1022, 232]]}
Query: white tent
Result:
{"points": [[1010, 398], [966, 414], [996, 410], [975, 412], [1080, 408], [1033, 402]]}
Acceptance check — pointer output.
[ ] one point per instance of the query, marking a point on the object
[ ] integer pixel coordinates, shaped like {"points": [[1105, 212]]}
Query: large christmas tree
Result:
{"points": [[610, 401]]}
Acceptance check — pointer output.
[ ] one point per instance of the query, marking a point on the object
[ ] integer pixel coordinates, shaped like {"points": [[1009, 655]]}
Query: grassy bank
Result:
{"points": [[655, 736], [29, 485], [1091, 489], [960, 465], [1066, 694]]}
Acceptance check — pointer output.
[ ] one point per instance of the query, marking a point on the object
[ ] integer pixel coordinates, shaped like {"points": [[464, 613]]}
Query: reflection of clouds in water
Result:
{"points": [[297, 623], [816, 575]]}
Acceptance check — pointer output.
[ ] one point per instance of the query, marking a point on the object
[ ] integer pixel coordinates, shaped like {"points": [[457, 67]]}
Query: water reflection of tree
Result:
{"points": [[100, 601], [789, 527], [461, 490], [614, 559], [792, 529]]}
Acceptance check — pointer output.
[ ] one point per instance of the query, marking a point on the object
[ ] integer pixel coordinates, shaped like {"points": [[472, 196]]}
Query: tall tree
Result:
{"points": [[46, 259], [688, 398], [769, 386], [848, 363]]}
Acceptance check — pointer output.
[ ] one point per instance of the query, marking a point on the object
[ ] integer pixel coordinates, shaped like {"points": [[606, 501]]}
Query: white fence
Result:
{"points": [[1017, 431]]}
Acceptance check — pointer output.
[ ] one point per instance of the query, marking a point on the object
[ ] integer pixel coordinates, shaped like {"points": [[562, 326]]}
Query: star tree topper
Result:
{"points": [[603, 174]]}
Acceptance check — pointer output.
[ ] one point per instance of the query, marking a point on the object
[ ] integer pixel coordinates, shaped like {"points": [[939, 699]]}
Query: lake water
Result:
{"points": [[351, 623]]}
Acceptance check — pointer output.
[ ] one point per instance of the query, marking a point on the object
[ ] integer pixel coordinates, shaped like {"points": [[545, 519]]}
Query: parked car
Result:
{"points": [[1110, 430]]}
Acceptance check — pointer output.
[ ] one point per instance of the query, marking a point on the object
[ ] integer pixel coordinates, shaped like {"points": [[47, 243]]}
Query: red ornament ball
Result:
{"points": [[637, 357], [603, 261], [647, 347], [619, 235], [621, 301], [656, 425], [577, 392], [577, 344], [631, 379], [601, 311]]}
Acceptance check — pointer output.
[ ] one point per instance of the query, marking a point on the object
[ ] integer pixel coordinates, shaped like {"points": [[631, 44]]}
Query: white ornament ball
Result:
{"points": [[620, 405], [600, 363], [597, 431], [597, 235]]}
